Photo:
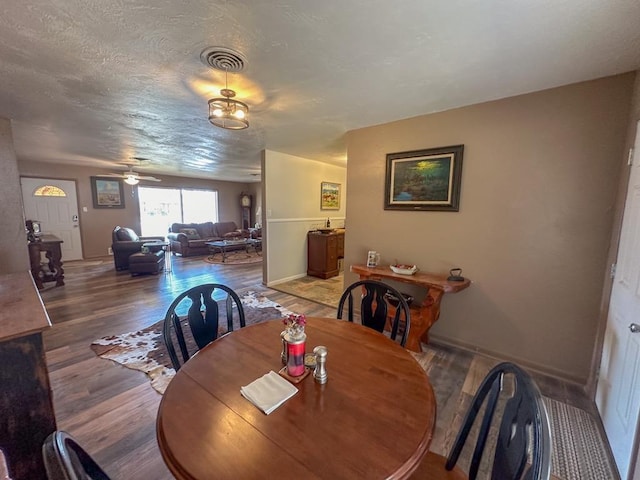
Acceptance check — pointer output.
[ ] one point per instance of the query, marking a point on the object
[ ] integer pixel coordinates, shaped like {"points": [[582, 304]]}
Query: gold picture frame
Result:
{"points": [[330, 196], [426, 179]]}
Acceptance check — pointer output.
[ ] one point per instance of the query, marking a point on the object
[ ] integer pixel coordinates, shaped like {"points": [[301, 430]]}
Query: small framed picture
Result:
{"points": [[107, 193], [329, 196], [424, 179]]}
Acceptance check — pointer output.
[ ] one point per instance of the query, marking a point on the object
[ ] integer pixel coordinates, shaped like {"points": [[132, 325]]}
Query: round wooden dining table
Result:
{"points": [[373, 419]]}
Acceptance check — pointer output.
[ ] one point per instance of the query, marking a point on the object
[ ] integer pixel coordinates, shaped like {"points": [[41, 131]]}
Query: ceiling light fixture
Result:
{"points": [[226, 112], [131, 180]]}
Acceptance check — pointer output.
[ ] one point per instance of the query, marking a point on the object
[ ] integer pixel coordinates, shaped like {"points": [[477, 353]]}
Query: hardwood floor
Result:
{"points": [[111, 410]]}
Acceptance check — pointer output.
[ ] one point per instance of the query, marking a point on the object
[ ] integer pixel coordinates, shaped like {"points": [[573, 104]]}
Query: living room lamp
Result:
{"points": [[225, 112]]}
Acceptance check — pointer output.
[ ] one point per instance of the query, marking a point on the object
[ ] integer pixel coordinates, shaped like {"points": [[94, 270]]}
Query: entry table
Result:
{"points": [[424, 315], [374, 417], [51, 270]]}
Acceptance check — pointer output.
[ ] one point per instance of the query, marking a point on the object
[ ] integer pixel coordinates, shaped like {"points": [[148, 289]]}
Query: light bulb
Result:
{"points": [[131, 180], [238, 114], [217, 112]]}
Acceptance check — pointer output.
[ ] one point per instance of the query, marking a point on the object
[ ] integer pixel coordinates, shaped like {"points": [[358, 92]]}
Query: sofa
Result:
{"points": [[126, 242], [189, 239]]}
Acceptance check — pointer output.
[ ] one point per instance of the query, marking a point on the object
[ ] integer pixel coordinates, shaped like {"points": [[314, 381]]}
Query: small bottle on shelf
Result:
{"points": [[328, 223]]}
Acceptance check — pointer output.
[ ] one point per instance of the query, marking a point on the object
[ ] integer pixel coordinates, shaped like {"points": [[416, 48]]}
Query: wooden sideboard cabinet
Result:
{"points": [[323, 252]]}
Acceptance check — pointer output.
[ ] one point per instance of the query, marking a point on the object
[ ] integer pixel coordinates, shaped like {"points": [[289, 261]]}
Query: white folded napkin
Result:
{"points": [[268, 392]]}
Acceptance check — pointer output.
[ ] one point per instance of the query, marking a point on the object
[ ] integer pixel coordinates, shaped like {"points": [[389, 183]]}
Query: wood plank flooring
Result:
{"points": [[112, 409]]}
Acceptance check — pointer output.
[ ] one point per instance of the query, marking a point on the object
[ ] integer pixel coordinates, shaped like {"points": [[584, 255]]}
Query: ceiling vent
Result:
{"points": [[221, 58]]}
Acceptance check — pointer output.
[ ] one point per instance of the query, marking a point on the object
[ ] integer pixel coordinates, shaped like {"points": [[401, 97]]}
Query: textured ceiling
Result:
{"points": [[97, 82]]}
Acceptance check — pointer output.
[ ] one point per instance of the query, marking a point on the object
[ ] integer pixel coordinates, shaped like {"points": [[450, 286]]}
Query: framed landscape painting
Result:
{"points": [[107, 193], [424, 179], [329, 196]]}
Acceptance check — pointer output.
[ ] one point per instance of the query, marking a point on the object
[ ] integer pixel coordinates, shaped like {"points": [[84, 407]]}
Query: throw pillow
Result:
{"points": [[126, 234], [191, 233]]}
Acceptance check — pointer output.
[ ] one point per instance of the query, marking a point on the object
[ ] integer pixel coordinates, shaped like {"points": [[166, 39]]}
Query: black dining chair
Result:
{"points": [[65, 459], [370, 298], [193, 320], [522, 450]]}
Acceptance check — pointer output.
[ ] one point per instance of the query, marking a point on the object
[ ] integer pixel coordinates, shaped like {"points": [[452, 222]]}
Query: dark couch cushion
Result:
{"points": [[126, 234], [206, 230], [176, 227], [191, 233], [222, 228]]}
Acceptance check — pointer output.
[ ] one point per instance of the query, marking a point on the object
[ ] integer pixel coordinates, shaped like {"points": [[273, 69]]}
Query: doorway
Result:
{"points": [[54, 203], [618, 388]]}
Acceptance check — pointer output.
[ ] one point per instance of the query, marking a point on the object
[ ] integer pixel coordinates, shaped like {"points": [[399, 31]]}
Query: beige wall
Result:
{"points": [[292, 199], [539, 183], [14, 255], [96, 224]]}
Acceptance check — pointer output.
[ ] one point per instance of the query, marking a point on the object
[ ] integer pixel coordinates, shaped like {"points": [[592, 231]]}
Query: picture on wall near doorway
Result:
{"points": [[424, 179], [107, 193], [329, 196]]}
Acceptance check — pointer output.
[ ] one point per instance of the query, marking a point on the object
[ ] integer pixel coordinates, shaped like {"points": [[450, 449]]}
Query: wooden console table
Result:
{"points": [[424, 315], [50, 271]]}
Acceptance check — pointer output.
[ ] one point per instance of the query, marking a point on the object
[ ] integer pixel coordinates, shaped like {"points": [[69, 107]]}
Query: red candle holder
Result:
{"points": [[295, 354]]}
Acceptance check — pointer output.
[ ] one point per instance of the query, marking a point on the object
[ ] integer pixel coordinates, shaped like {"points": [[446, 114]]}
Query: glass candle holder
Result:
{"points": [[283, 354], [295, 354]]}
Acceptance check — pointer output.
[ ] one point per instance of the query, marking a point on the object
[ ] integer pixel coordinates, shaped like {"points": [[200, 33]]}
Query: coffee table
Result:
{"points": [[256, 243], [221, 246]]}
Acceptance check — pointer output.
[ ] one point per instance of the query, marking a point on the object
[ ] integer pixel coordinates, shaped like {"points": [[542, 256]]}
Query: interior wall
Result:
{"points": [[96, 225], [14, 254], [292, 201], [539, 181]]}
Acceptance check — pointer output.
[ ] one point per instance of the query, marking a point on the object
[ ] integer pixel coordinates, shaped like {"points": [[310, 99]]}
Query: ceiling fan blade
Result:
{"points": [[150, 179], [109, 175]]}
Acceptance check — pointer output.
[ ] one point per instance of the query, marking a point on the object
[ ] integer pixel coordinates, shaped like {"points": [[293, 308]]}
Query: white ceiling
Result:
{"points": [[97, 82]]}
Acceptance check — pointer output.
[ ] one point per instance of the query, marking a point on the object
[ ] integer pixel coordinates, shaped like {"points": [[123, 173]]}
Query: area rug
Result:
{"points": [[144, 349], [326, 292], [235, 257], [578, 452]]}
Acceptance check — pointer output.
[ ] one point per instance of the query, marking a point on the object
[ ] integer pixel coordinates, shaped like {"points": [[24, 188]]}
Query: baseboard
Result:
{"points": [[284, 280], [550, 372]]}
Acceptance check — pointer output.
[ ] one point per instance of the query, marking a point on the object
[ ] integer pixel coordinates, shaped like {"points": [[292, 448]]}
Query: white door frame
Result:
{"points": [[60, 216], [633, 472]]}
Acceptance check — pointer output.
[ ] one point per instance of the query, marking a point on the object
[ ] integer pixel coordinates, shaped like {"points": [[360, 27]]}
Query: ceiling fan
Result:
{"points": [[130, 177]]}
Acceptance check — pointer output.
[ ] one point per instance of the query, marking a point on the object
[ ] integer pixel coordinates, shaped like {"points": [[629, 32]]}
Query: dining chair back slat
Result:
{"points": [[369, 297], [202, 320], [522, 450]]}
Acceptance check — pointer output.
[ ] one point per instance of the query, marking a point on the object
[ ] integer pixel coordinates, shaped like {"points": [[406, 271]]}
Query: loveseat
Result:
{"points": [[126, 242], [188, 239]]}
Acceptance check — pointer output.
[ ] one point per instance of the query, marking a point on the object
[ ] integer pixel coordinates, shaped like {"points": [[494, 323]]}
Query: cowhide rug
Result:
{"points": [[144, 350]]}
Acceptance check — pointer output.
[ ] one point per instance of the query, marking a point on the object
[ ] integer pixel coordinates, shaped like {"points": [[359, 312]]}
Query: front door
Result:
{"points": [[618, 390], [56, 210]]}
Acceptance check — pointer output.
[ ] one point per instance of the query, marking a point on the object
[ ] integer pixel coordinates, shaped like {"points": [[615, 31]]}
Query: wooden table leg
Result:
{"points": [[423, 316]]}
